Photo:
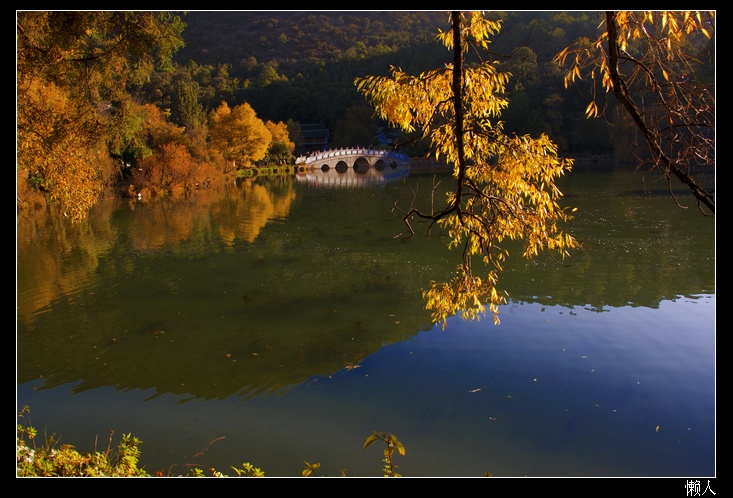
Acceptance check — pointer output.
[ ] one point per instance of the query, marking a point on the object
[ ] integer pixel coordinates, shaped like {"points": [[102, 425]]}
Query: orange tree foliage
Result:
{"points": [[505, 186], [73, 72], [158, 130], [170, 170]]}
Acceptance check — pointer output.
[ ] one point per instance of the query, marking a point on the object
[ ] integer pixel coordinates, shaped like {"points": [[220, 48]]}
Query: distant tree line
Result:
{"points": [[101, 103], [300, 66]]}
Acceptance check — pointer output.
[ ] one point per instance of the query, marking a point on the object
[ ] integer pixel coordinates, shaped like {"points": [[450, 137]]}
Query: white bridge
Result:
{"points": [[358, 159]]}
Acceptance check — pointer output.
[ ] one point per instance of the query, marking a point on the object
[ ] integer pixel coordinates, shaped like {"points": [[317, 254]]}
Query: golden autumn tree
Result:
{"points": [[240, 136], [504, 185], [72, 76], [280, 133], [660, 66], [281, 148]]}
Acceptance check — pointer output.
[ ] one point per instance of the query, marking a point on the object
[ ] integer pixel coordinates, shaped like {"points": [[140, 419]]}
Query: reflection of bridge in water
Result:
{"points": [[351, 167], [350, 177]]}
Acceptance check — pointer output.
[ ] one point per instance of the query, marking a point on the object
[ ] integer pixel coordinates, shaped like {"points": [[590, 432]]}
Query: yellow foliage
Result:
{"points": [[660, 67], [279, 131], [70, 68], [58, 152], [505, 186], [660, 38], [239, 134]]}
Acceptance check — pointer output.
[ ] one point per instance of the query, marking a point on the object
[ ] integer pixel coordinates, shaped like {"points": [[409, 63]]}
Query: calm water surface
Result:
{"points": [[281, 321]]}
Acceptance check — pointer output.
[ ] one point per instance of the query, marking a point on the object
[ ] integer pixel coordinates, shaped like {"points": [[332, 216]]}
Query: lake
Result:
{"points": [[281, 320]]}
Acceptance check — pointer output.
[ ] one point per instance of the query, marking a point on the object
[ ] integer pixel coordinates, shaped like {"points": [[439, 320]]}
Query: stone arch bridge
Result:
{"points": [[355, 158]]}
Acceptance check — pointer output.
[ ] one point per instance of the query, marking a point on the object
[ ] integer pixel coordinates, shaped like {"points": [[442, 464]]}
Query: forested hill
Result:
{"points": [[299, 40], [301, 65]]}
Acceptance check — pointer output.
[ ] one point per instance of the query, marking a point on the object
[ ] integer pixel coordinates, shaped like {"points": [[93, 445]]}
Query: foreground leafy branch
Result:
{"points": [[504, 186], [660, 67]]}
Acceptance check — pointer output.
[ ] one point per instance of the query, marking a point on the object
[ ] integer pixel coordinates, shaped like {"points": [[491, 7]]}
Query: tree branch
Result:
{"points": [[620, 90]]}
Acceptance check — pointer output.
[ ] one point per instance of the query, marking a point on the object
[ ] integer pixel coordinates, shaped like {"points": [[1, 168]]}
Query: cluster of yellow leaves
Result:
{"points": [[506, 185], [514, 198]]}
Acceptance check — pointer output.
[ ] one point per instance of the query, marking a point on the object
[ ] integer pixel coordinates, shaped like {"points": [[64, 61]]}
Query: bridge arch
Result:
{"points": [[361, 165], [357, 158]]}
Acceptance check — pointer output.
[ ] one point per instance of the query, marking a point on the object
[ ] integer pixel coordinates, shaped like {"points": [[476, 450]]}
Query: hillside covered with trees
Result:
{"points": [[301, 66]]}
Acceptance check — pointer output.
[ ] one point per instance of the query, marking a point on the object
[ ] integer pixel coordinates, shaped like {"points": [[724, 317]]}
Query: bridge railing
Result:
{"points": [[352, 151]]}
